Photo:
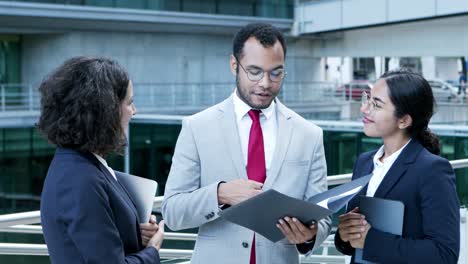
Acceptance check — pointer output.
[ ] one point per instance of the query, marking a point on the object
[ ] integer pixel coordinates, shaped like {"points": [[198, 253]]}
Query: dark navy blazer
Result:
{"points": [[425, 183], [87, 216]]}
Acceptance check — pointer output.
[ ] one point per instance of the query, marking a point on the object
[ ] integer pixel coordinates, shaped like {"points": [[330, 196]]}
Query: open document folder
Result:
{"points": [[142, 192], [262, 212]]}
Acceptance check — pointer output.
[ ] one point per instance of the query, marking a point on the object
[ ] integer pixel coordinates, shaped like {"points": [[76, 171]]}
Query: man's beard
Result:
{"points": [[245, 98]]}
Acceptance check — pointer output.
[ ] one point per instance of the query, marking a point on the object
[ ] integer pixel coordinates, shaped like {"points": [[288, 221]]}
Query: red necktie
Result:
{"points": [[256, 169]]}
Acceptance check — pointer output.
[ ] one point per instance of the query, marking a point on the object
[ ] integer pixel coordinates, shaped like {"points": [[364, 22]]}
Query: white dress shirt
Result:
{"points": [[104, 162], [381, 168], [268, 123]]}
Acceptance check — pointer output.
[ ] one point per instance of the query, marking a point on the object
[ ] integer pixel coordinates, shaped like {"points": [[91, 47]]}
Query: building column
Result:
{"points": [[394, 63], [428, 67], [346, 69], [379, 66]]}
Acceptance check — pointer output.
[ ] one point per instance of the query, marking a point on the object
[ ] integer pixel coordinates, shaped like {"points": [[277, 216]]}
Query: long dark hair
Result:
{"points": [[80, 105], [412, 95]]}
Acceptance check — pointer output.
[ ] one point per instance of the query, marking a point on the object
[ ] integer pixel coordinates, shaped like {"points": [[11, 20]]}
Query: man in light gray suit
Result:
{"points": [[234, 150]]}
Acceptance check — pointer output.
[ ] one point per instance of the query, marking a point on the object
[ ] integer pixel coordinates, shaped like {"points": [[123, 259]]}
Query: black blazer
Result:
{"points": [[425, 183], [87, 216]]}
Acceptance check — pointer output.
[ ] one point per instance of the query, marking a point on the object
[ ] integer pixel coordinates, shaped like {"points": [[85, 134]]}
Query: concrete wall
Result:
{"points": [[447, 68], [327, 15], [156, 57], [445, 37], [302, 65]]}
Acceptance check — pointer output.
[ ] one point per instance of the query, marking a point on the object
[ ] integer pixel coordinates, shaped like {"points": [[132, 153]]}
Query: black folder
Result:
{"points": [[382, 214], [262, 212]]}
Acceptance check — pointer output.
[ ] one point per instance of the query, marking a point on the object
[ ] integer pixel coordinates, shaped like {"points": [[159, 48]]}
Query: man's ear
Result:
{"points": [[233, 64], [405, 122]]}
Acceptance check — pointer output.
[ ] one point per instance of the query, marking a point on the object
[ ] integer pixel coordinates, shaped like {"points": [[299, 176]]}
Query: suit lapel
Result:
{"points": [[283, 139], [114, 184], [119, 189], [129, 198], [407, 156], [231, 136], [366, 169]]}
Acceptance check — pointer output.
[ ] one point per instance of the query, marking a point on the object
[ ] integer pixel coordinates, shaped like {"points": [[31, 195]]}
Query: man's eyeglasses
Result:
{"points": [[367, 102], [256, 75]]}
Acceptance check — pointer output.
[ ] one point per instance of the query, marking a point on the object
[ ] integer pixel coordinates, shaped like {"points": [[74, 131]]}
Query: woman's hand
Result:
{"points": [[351, 225], [148, 230], [359, 243], [157, 240]]}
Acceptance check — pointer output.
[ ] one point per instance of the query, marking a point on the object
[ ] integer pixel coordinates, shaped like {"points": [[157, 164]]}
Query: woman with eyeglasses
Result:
{"points": [[406, 168]]}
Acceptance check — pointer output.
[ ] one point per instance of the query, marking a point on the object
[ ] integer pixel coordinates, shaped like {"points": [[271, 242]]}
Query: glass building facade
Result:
{"points": [[256, 8], [9, 59]]}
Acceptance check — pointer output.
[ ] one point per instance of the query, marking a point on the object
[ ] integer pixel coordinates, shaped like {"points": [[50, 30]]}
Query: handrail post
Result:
{"points": [[30, 93], [173, 96], [3, 96]]}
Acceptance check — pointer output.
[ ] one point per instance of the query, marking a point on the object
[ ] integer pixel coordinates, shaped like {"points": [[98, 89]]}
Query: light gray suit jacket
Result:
{"points": [[208, 151]]}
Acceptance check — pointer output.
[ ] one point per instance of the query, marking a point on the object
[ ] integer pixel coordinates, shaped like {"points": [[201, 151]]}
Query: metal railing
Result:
{"points": [[181, 97], [20, 219], [24, 223], [18, 97], [175, 97], [193, 97], [179, 254]]}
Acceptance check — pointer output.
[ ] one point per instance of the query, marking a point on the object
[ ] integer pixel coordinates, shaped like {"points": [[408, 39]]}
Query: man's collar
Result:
{"points": [[241, 108]]}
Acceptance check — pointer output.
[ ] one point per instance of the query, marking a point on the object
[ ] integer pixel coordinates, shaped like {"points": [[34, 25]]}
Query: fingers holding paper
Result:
{"points": [[295, 231]]}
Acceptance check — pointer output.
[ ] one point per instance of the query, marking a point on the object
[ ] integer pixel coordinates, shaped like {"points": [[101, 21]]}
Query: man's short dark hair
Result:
{"points": [[80, 105], [266, 34]]}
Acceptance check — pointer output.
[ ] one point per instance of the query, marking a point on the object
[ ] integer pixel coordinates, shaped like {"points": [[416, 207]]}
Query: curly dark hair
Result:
{"points": [[80, 105], [266, 34]]}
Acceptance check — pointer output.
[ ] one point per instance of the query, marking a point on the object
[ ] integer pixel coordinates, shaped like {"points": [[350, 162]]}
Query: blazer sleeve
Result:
{"points": [[343, 247], [317, 183], [186, 204], [89, 221], [440, 221]]}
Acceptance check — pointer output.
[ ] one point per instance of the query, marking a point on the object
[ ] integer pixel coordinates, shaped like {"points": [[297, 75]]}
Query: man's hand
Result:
{"points": [[148, 230], [351, 225], [237, 191], [295, 231]]}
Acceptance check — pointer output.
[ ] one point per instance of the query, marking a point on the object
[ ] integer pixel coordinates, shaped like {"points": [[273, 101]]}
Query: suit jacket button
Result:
{"points": [[245, 244]]}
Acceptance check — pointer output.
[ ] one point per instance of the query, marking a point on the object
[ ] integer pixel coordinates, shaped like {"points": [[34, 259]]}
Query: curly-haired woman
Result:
{"points": [[86, 214]]}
